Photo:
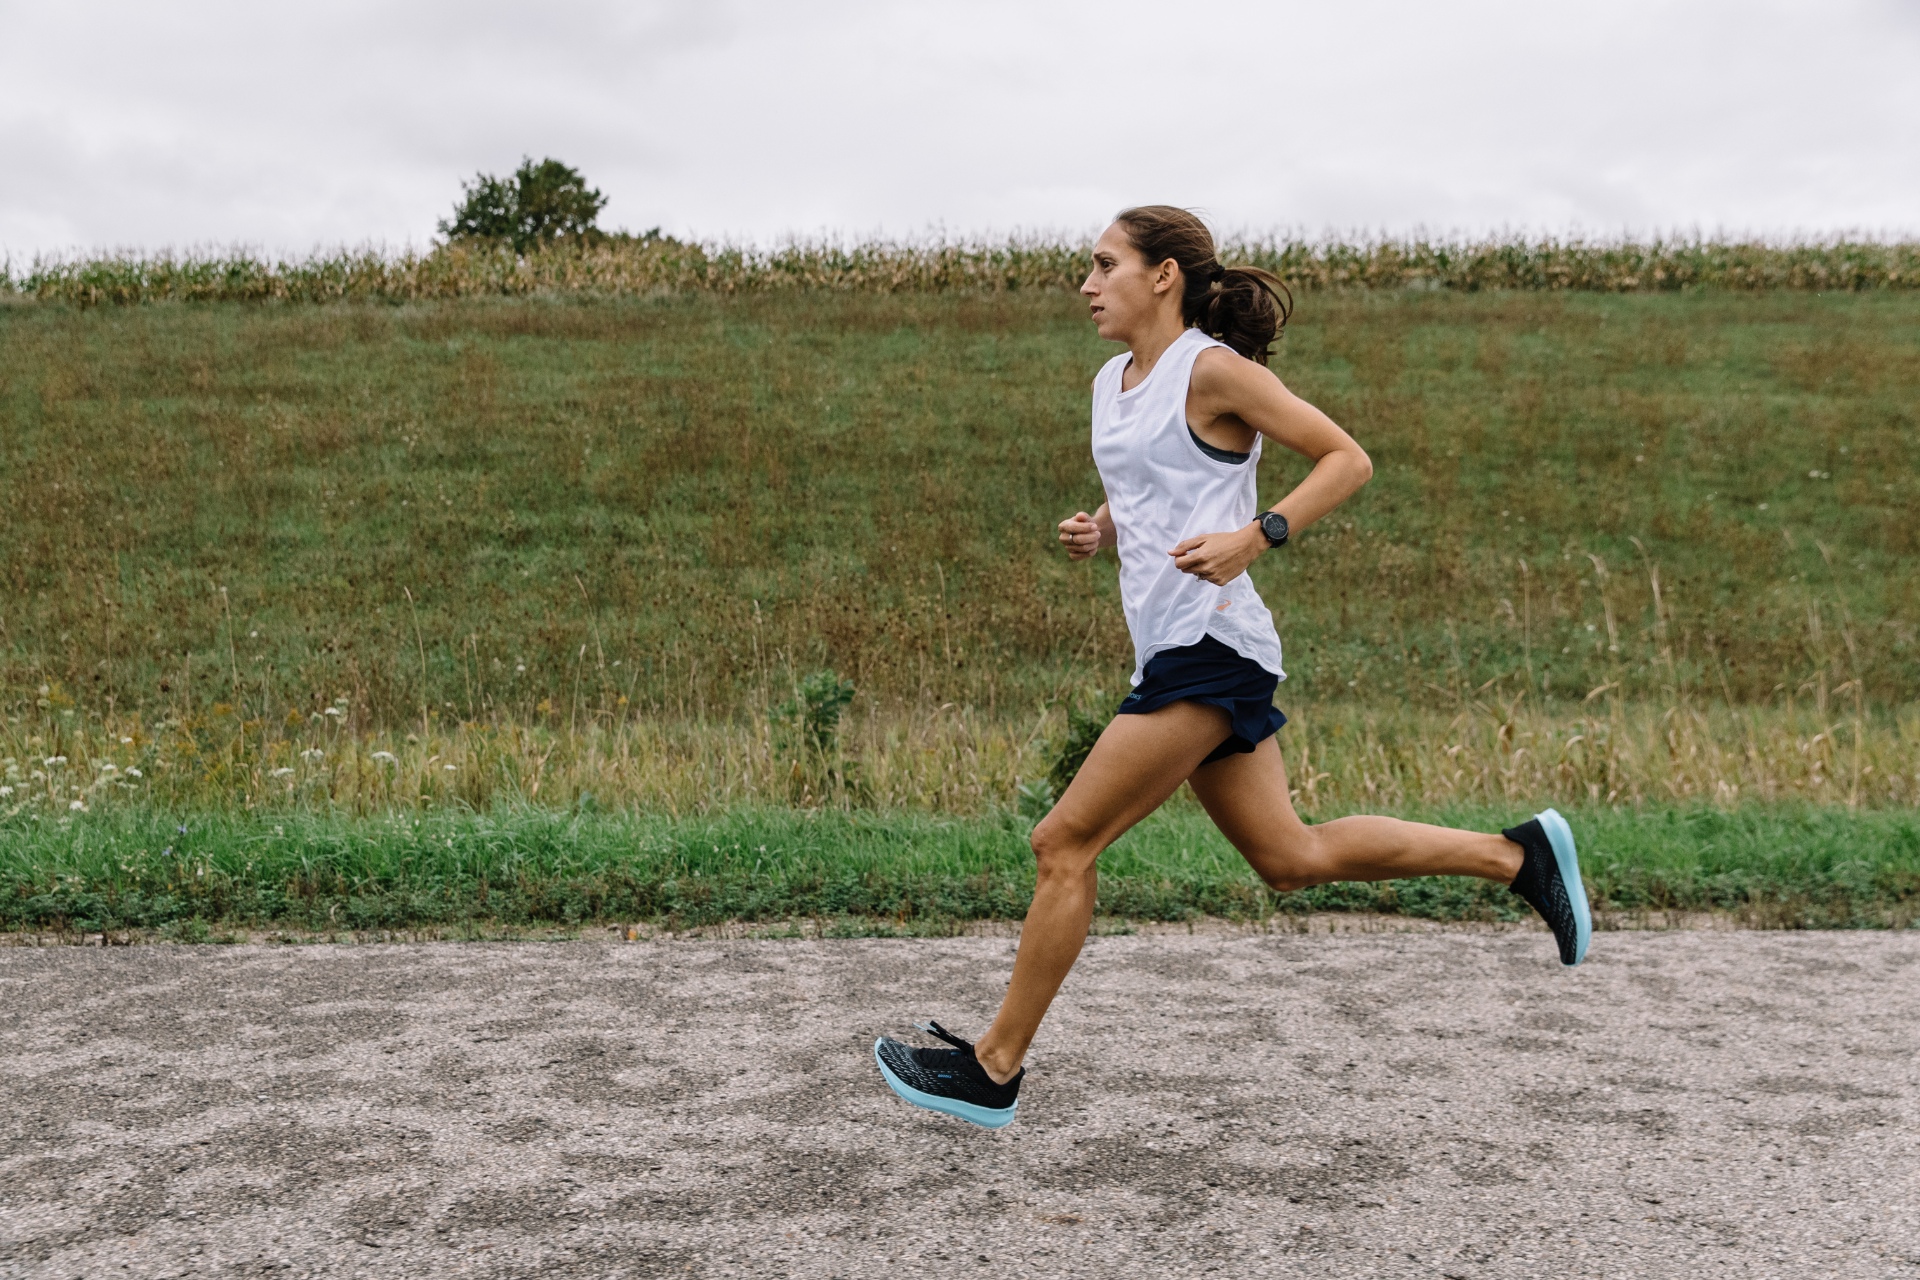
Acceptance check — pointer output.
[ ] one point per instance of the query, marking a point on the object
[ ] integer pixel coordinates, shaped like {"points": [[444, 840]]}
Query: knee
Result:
{"points": [[1289, 879], [1060, 850], [1293, 864]]}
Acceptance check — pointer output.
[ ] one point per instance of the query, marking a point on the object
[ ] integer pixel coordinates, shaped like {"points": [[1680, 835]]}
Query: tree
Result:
{"points": [[539, 204]]}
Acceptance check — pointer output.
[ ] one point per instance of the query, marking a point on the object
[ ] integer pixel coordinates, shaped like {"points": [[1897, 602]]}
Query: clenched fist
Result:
{"points": [[1082, 536]]}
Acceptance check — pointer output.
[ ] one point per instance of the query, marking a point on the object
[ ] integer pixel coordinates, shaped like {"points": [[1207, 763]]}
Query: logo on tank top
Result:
{"points": [[1221, 607]]}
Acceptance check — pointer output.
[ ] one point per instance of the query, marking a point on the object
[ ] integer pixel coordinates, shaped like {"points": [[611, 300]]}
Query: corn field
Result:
{"points": [[642, 266]]}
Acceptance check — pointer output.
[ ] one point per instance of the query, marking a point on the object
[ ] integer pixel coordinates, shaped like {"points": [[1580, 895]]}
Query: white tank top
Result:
{"points": [[1161, 490]]}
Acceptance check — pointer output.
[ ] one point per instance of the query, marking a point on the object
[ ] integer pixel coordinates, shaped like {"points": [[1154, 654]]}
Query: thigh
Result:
{"points": [[1137, 763], [1246, 795]]}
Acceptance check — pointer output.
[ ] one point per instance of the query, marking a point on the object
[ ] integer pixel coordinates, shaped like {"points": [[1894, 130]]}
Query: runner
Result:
{"points": [[1178, 421]]}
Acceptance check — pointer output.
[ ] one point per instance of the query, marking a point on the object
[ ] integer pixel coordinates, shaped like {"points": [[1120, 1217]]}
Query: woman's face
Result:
{"points": [[1123, 291]]}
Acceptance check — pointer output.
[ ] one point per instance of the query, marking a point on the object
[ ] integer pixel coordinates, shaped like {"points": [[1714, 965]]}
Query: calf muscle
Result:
{"points": [[1248, 799]]}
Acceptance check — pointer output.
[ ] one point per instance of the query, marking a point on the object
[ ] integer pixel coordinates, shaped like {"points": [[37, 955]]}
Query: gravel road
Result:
{"points": [[1443, 1104]]}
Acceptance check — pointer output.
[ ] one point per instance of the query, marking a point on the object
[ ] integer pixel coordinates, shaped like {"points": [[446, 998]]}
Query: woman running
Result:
{"points": [[1178, 421]]}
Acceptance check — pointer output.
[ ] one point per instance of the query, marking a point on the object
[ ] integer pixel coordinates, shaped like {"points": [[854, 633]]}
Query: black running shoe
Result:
{"points": [[949, 1080], [1549, 880]]}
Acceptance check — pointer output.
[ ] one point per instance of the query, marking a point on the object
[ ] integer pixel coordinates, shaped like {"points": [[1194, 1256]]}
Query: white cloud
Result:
{"points": [[292, 126]]}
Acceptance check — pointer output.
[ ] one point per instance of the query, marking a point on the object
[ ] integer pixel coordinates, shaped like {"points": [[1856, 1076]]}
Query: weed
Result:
{"points": [[1034, 800], [816, 767], [814, 711]]}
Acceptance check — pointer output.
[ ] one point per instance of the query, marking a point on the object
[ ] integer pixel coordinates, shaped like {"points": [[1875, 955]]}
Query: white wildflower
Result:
{"points": [[126, 742], [5, 791], [107, 766], [54, 762], [449, 768], [386, 757], [333, 711], [282, 771], [134, 773], [313, 754], [77, 806]]}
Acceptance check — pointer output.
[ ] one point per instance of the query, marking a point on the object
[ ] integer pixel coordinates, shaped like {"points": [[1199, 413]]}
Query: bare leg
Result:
{"points": [[1246, 796], [1138, 762]]}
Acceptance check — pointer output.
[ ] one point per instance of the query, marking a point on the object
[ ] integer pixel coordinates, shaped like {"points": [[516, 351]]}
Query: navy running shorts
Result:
{"points": [[1213, 673]]}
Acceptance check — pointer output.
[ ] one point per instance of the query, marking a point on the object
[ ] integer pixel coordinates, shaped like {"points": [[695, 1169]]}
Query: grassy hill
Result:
{"points": [[275, 506]]}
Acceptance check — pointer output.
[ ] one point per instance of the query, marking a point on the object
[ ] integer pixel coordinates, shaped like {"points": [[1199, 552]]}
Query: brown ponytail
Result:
{"points": [[1244, 307]]}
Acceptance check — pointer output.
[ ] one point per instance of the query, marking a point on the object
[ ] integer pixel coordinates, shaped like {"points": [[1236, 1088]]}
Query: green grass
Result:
{"points": [[684, 500], [1796, 867]]}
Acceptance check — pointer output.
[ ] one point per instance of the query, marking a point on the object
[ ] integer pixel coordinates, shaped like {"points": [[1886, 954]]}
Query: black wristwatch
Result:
{"points": [[1274, 525]]}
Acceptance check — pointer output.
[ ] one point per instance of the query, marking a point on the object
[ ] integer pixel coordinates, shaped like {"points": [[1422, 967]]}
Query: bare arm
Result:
{"points": [[1231, 392]]}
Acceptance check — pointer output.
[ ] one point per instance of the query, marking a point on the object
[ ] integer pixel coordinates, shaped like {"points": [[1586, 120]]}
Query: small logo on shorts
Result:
{"points": [[1222, 606]]}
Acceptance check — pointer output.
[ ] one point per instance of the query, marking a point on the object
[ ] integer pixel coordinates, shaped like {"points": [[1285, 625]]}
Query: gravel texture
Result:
{"points": [[1439, 1104]]}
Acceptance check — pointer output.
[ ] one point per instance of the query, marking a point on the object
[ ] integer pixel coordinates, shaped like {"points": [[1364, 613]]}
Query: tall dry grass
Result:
{"points": [[958, 761], [647, 266]]}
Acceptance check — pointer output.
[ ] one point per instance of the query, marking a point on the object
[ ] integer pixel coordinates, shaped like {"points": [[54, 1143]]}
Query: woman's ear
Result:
{"points": [[1165, 278]]}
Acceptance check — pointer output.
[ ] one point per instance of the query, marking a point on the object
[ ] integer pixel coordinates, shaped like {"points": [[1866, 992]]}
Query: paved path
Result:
{"points": [[1730, 1104]]}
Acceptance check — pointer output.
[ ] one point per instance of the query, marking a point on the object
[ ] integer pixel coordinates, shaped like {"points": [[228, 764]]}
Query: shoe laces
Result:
{"points": [[934, 1029]]}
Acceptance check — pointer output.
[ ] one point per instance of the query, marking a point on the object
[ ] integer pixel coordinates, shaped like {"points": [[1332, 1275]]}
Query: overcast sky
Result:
{"points": [[290, 126]]}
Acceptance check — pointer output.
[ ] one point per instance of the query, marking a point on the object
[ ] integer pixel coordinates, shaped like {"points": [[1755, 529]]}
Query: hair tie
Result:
{"points": [[1216, 273]]}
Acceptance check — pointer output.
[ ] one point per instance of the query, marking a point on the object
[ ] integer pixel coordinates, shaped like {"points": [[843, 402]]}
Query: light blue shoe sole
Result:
{"points": [[1560, 836], [985, 1117]]}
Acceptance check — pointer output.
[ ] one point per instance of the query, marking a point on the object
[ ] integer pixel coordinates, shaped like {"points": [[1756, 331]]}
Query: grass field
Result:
{"points": [[324, 564]]}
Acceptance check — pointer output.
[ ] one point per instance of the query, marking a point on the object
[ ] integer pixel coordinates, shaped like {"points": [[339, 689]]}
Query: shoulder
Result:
{"points": [[1224, 381], [1218, 367]]}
